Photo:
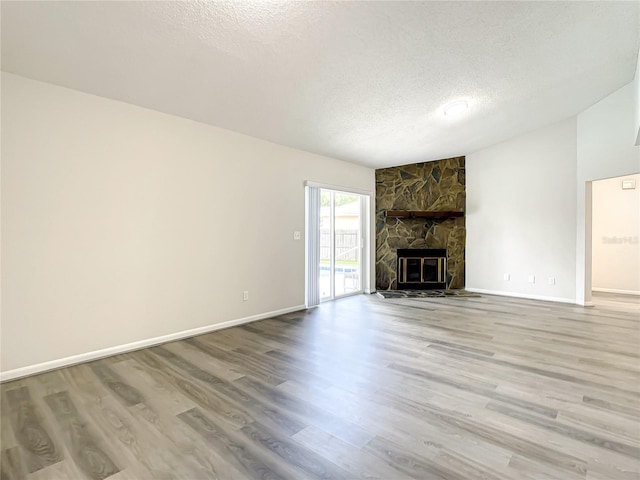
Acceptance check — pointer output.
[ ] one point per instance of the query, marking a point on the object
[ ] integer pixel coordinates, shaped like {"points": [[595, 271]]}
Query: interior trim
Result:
{"points": [[129, 347], [615, 290], [338, 188], [523, 295]]}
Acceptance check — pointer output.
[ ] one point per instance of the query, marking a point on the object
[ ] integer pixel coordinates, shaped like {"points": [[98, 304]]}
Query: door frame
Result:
{"points": [[332, 243], [366, 232]]}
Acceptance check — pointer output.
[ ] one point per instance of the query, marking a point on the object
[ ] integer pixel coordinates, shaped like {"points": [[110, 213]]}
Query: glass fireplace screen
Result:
{"points": [[422, 268]]}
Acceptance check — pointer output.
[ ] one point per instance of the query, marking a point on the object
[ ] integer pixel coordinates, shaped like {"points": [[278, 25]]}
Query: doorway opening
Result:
{"points": [[341, 243], [615, 232], [337, 250]]}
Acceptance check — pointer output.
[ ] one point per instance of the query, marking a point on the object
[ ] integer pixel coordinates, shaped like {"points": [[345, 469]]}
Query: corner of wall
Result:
{"points": [[636, 89]]}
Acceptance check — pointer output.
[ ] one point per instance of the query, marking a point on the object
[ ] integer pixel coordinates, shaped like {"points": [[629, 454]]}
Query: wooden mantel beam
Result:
{"points": [[421, 214]]}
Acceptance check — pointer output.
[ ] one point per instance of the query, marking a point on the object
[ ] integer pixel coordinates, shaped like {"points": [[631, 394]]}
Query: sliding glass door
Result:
{"points": [[341, 243]]}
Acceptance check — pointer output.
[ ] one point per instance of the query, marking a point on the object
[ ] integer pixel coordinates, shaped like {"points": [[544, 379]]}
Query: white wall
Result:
{"points": [[616, 230], [604, 147], [521, 215], [121, 224], [606, 138]]}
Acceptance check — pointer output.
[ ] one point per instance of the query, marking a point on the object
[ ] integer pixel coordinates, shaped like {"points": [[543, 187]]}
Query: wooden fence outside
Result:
{"points": [[346, 243]]}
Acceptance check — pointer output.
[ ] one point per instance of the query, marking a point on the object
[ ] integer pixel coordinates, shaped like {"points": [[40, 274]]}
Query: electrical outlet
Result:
{"points": [[507, 277], [296, 235], [532, 279], [552, 280], [245, 295]]}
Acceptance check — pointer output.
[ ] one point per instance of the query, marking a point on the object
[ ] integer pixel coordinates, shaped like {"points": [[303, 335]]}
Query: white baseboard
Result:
{"points": [[614, 290], [129, 347], [522, 295]]}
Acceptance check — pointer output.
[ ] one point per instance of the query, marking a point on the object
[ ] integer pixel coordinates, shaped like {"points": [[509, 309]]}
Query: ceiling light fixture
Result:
{"points": [[456, 108]]}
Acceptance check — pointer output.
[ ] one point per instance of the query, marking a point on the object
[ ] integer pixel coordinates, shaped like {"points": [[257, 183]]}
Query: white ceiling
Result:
{"points": [[359, 81]]}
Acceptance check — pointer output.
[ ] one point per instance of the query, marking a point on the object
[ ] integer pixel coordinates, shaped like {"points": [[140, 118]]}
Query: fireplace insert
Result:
{"points": [[421, 268]]}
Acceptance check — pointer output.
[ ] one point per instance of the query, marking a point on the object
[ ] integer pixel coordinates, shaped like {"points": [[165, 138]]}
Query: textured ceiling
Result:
{"points": [[360, 81]]}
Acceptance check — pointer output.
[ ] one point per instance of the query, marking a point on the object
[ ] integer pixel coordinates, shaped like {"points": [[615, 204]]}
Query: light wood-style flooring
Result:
{"points": [[363, 387]]}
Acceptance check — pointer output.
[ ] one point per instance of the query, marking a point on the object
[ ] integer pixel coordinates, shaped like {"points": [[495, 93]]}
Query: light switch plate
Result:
{"points": [[296, 235]]}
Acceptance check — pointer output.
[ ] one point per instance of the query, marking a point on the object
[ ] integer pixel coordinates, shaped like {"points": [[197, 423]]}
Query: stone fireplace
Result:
{"points": [[420, 207]]}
